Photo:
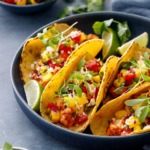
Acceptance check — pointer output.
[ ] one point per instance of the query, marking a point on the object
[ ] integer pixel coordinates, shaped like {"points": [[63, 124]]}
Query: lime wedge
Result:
{"points": [[142, 40], [111, 43], [33, 91]]}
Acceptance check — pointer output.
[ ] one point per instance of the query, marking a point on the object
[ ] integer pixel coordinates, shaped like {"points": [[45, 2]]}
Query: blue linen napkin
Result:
{"points": [[139, 7]]}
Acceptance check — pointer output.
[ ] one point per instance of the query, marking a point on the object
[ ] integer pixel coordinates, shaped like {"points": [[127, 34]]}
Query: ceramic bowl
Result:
{"points": [[86, 140], [27, 8]]}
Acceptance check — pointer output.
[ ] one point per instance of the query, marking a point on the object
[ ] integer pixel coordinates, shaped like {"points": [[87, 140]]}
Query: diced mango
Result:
{"points": [[21, 2], [69, 101], [72, 102], [137, 128], [124, 72], [97, 78], [102, 70], [137, 73], [83, 37], [119, 82], [121, 113], [55, 116], [132, 122], [43, 69], [46, 76], [45, 56], [82, 100], [33, 2]]}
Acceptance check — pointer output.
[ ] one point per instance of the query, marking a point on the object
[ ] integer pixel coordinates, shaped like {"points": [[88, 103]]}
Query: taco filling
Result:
{"points": [[135, 116], [130, 73], [69, 105], [58, 47]]}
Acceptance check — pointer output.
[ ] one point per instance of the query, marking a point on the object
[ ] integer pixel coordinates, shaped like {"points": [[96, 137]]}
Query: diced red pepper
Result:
{"points": [[52, 106], [80, 118], [130, 76], [53, 65], [93, 65], [65, 48], [64, 55], [65, 51], [84, 89], [77, 38], [10, 1]]}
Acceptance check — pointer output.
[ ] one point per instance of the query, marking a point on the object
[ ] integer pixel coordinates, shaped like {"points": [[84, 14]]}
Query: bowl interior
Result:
{"points": [[137, 25]]}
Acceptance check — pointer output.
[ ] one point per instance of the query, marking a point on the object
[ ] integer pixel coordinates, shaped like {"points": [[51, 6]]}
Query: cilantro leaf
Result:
{"points": [[123, 32], [87, 6], [122, 29], [108, 22], [144, 114], [80, 65], [146, 59], [98, 27], [145, 77], [78, 90], [133, 102], [119, 90]]}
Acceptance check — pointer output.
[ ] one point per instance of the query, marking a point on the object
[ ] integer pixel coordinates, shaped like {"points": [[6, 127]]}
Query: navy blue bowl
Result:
{"points": [[27, 8], [86, 140]]}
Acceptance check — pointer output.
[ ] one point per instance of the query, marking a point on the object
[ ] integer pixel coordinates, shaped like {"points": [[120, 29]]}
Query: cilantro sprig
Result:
{"points": [[56, 38], [141, 68], [122, 28], [143, 111], [86, 6]]}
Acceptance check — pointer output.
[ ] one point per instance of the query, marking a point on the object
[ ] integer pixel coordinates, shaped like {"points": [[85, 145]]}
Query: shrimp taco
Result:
{"points": [[72, 96], [46, 54], [132, 68], [125, 115]]}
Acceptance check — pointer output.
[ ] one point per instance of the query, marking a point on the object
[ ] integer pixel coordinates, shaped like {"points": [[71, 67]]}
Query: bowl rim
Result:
{"points": [[26, 6], [61, 129]]}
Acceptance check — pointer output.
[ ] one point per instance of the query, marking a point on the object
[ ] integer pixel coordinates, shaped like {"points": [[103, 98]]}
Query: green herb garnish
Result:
{"points": [[86, 6], [80, 65], [122, 29], [143, 110]]}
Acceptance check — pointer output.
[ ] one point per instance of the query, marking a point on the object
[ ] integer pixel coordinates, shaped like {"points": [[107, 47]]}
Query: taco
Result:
{"points": [[72, 96], [131, 69], [46, 54], [125, 115]]}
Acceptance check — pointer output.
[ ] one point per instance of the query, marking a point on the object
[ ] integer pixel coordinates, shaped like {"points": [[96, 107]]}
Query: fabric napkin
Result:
{"points": [[139, 7]]}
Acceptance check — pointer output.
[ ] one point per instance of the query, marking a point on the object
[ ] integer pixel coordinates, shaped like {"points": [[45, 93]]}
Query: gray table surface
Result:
{"points": [[15, 127]]}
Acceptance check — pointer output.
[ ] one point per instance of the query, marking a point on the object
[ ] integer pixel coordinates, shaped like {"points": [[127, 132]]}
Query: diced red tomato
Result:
{"points": [[65, 48], [112, 92], [10, 1], [52, 106], [77, 38], [64, 55], [65, 51], [80, 118], [84, 89], [53, 65], [93, 65], [130, 76]]}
